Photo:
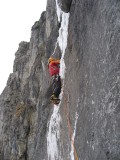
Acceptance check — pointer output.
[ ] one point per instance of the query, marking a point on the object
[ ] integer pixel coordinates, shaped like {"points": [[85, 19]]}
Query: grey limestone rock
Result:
{"points": [[65, 5], [52, 26], [93, 71], [24, 101], [90, 107]]}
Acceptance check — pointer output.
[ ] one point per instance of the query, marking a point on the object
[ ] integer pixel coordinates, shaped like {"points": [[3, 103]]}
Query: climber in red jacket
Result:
{"points": [[54, 68]]}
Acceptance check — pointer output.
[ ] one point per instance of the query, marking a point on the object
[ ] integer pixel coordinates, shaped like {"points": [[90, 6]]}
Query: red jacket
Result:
{"points": [[54, 67]]}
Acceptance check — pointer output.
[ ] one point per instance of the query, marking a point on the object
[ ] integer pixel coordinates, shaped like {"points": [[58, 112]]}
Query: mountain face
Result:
{"points": [[85, 34]]}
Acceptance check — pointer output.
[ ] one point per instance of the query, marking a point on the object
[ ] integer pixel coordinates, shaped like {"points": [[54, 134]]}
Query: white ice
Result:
{"points": [[53, 134], [54, 124]]}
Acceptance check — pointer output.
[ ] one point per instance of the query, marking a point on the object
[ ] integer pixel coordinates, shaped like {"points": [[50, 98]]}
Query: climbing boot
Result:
{"points": [[53, 97]]}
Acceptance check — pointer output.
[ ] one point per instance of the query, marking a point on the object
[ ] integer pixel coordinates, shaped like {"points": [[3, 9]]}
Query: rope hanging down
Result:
{"points": [[70, 130], [55, 48]]}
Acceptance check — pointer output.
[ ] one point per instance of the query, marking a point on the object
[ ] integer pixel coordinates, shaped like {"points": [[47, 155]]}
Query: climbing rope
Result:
{"points": [[70, 128], [55, 48]]}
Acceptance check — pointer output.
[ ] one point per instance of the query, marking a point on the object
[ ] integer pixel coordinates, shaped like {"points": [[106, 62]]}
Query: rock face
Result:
{"points": [[65, 5], [93, 71], [86, 124], [24, 102], [52, 27]]}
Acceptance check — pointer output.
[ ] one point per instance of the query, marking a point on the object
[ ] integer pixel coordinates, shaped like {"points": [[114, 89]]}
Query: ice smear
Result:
{"points": [[62, 39], [53, 134], [59, 12], [63, 34], [54, 124], [73, 137]]}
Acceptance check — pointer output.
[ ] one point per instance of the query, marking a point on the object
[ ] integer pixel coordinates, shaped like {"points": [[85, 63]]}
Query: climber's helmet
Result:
{"points": [[50, 60]]}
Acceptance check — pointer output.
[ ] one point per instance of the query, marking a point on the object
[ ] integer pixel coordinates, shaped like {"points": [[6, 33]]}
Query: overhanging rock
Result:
{"points": [[65, 5]]}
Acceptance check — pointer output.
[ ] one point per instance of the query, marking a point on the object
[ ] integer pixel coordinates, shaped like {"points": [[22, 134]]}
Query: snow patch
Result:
{"points": [[73, 136], [93, 102]]}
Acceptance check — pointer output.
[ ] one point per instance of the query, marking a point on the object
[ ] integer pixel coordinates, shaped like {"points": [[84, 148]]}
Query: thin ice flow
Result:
{"points": [[54, 124]]}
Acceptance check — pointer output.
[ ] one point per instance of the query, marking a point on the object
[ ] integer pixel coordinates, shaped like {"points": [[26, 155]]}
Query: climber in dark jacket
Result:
{"points": [[54, 68]]}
